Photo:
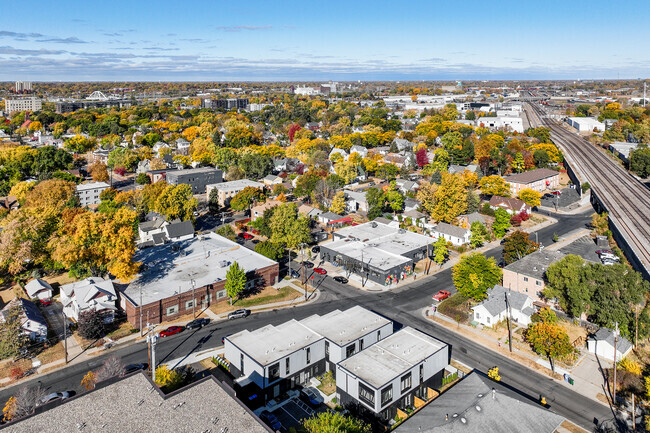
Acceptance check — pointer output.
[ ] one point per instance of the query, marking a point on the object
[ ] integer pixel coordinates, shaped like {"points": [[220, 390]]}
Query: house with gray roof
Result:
{"points": [[32, 322], [134, 403], [361, 150], [469, 219], [453, 168], [527, 275], [477, 404], [454, 234], [405, 185], [40, 289], [502, 302], [92, 293], [602, 344]]}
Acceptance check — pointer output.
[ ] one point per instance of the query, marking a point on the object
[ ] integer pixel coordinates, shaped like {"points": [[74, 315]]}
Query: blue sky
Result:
{"points": [[320, 40]]}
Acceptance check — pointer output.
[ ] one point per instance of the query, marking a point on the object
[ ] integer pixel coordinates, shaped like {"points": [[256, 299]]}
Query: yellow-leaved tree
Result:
{"points": [[494, 185], [338, 203], [530, 197], [451, 198]]}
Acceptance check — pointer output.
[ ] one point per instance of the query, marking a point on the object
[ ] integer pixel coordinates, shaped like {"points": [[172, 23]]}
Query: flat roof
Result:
{"points": [[235, 185], [342, 327], [392, 356], [133, 404], [270, 343], [168, 269], [374, 257], [92, 185], [381, 236]]}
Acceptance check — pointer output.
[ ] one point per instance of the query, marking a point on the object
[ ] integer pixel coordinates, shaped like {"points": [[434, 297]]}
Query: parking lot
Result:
{"points": [[567, 197], [292, 413]]}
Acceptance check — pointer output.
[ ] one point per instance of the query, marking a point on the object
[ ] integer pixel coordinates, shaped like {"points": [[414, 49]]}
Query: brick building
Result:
{"points": [[178, 278]]}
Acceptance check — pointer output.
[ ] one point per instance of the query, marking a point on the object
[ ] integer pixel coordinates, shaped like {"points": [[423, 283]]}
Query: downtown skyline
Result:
{"points": [[290, 41]]}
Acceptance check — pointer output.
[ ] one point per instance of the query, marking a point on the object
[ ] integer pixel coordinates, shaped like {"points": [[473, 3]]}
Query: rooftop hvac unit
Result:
{"points": [[223, 263]]}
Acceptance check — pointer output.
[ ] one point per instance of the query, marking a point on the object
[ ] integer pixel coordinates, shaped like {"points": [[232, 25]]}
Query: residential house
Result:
{"points": [[411, 204], [89, 193], [143, 166], [403, 144], [182, 146], [478, 404], [272, 179], [417, 218], [93, 293], [32, 322], [406, 186], [328, 217], [356, 201], [361, 150], [467, 220], [160, 231], [159, 146], [511, 205], [341, 152], [540, 179], [392, 373], [395, 158], [99, 155], [602, 344], [197, 178], [454, 234], [309, 211], [499, 303], [227, 190], [277, 358], [285, 164], [157, 175], [526, 275], [258, 210], [39, 289], [453, 168]]}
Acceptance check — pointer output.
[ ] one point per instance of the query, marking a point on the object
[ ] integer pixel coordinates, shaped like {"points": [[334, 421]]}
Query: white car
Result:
{"points": [[608, 256]]}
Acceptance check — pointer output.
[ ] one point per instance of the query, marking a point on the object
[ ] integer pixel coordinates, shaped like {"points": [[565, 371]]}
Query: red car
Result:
{"points": [[556, 192], [246, 236], [170, 331], [46, 301], [443, 294], [320, 271]]}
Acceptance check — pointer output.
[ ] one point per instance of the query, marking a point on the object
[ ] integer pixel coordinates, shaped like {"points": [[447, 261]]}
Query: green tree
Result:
{"points": [[517, 245], [143, 179], [176, 201], [501, 222], [245, 198], [227, 232], [394, 198], [235, 281], [548, 338], [478, 234], [640, 161], [473, 202], [268, 249], [123, 157], [474, 274], [334, 422], [255, 166], [566, 283], [338, 203], [11, 330], [541, 158], [440, 251]]}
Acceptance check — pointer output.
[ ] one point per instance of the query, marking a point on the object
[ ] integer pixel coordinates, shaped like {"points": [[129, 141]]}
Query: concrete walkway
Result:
{"points": [[582, 386]]}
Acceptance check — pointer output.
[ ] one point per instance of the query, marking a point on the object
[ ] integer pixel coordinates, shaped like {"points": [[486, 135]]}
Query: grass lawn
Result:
{"points": [[267, 296], [455, 307], [53, 353], [327, 383], [123, 330], [6, 367]]}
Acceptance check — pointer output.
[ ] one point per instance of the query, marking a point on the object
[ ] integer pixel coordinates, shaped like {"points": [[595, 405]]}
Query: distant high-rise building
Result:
{"points": [[23, 86]]}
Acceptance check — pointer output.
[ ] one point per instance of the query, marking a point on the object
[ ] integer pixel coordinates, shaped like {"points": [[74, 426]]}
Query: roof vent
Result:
{"points": [[455, 415], [373, 224], [480, 396], [463, 420], [534, 268], [478, 408], [494, 393]]}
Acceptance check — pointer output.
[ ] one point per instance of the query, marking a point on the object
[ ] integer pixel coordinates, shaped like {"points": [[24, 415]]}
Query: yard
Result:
{"points": [[456, 307], [267, 295], [327, 383]]}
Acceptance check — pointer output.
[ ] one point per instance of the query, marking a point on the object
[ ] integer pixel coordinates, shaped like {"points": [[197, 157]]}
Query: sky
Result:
{"points": [[277, 40]]}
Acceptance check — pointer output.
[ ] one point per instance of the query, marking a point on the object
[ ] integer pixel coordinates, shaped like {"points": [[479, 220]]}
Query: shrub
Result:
{"points": [[16, 373], [515, 220], [630, 365], [120, 170]]}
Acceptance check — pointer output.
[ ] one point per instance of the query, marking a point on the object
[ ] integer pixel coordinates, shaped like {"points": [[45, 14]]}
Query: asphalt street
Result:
{"points": [[403, 306]]}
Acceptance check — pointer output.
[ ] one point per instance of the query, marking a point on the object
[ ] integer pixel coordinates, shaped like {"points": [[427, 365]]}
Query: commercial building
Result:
{"points": [[540, 179], [227, 104], [477, 404], [176, 278], [227, 190], [89, 192], [70, 106], [23, 104], [391, 374], [197, 178], [526, 275], [376, 251], [510, 123], [586, 124], [278, 358], [135, 404]]}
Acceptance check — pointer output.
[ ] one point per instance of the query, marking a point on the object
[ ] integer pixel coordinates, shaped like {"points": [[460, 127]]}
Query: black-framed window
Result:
{"points": [[406, 382], [366, 394], [387, 395], [327, 349], [421, 373], [349, 351], [360, 345], [287, 366], [308, 353], [274, 372]]}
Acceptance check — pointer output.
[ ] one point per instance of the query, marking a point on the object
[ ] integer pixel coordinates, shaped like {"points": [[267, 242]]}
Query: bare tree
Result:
{"points": [[323, 191], [113, 366], [27, 398]]}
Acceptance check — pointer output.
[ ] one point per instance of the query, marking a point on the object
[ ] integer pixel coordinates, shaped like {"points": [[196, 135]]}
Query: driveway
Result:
{"points": [[54, 316]]}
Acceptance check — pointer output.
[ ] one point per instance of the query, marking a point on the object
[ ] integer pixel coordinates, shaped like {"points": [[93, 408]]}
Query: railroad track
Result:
{"points": [[626, 199]]}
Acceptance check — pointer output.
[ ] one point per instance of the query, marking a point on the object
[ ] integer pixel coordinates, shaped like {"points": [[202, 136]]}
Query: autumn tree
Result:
{"points": [[91, 324], [478, 234], [548, 338], [530, 197], [501, 222], [338, 203], [98, 171], [450, 198], [494, 185], [80, 144], [11, 330], [421, 158], [176, 201], [474, 274], [89, 381], [517, 245], [167, 379], [143, 179], [235, 281], [440, 251], [245, 198]]}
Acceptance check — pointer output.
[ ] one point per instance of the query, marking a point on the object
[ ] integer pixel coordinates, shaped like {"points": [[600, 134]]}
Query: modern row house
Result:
{"points": [[391, 374], [89, 193], [227, 190], [278, 358], [197, 178]]}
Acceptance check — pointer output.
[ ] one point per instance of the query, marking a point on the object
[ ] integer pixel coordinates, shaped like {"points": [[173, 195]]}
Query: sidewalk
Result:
{"points": [[582, 386]]}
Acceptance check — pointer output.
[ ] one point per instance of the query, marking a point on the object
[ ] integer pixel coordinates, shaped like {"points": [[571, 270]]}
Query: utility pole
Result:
{"points": [[509, 320], [65, 335], [633, 414], [615, 344], [193, 299], [153, 338], [141, 311]]}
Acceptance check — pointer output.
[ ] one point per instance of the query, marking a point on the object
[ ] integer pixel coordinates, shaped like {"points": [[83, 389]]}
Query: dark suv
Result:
{"points": [[197, 323]]}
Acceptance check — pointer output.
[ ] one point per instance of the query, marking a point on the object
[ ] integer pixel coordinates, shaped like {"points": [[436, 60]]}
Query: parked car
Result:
{"points": [[133, 368], [599, 252], [271, 420], [246, 236], [308, 264], [556, 192], [170, 331], [238, 314], [608, 256], [320, 271], [56, 396], [46, 301], [295, 274], [315, 249], [310, 397], [442, 294], [255, 241], [341, 280], [197, 323], [609, 262]]}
